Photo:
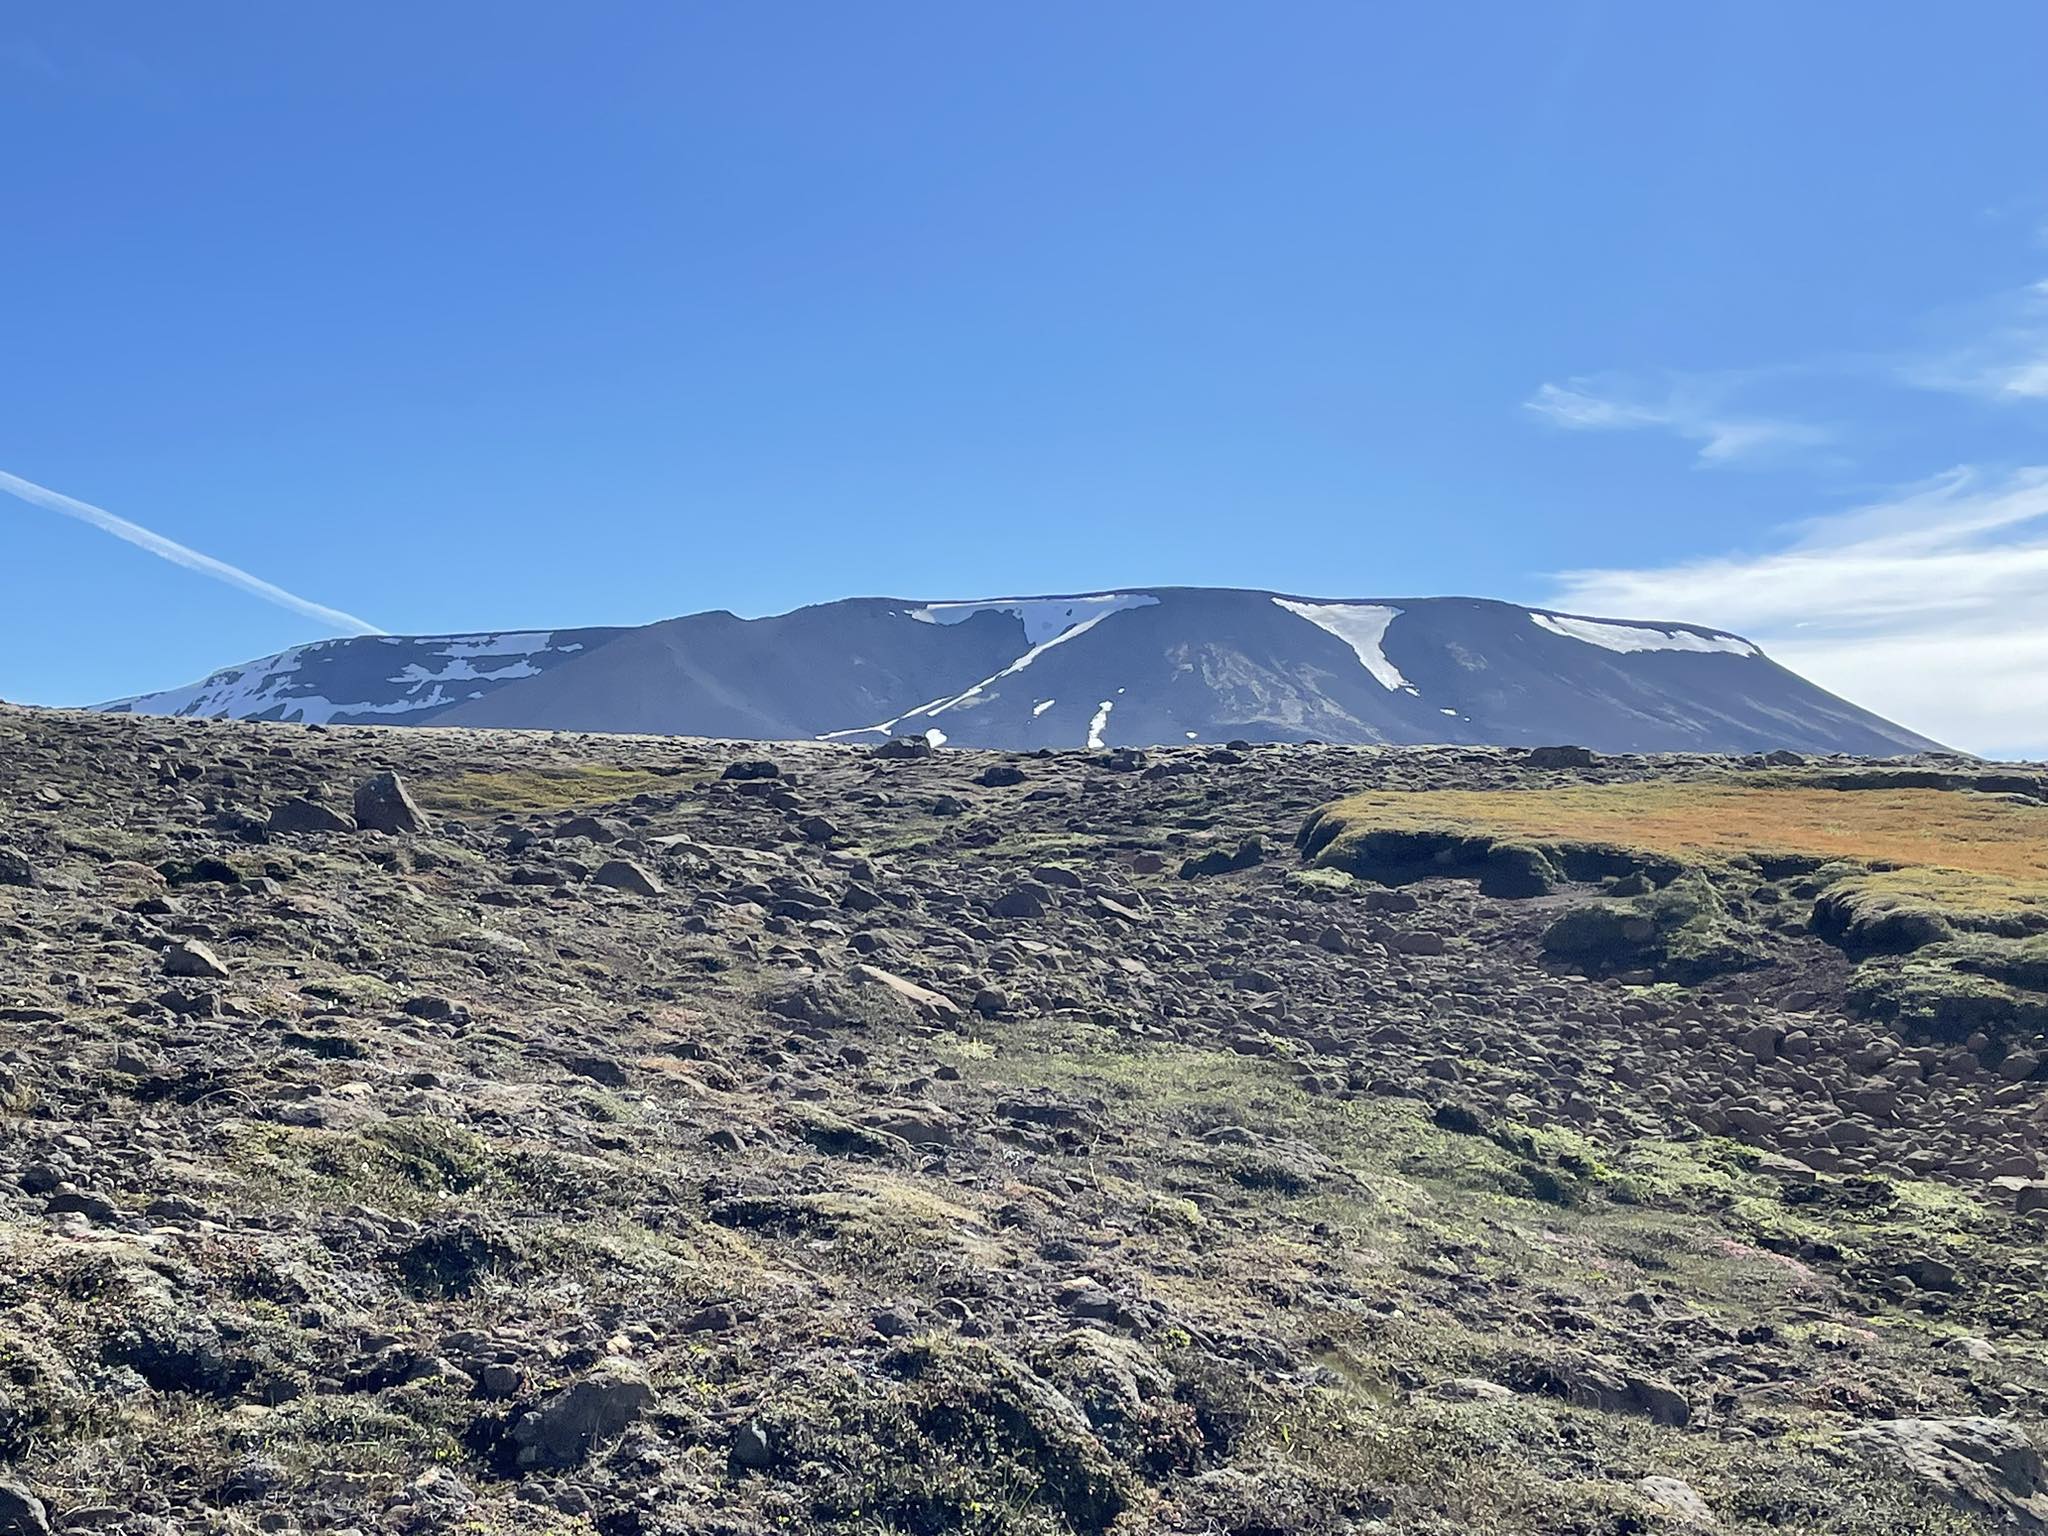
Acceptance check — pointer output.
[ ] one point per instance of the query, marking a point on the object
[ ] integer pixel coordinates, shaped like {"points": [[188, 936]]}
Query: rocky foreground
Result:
{"points": [[488, 1132]]}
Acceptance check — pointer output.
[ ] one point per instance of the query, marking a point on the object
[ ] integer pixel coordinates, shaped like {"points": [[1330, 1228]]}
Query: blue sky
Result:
{"points": [[490, 315]]}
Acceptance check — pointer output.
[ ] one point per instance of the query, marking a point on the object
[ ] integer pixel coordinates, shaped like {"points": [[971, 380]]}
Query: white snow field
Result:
{"points": [[1363, 627], [1628, 638]]}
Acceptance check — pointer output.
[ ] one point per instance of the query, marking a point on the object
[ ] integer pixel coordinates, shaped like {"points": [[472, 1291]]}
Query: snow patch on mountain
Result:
{"points": [[1099, 724], [1631, 638], [1074, 631], [461, 672], [289, 685], [1044, 618], [1363, 627], [510, 644], [234, 692]]}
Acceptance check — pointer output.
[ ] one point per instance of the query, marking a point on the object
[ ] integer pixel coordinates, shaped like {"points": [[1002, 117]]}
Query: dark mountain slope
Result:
{"points": [[1131, 667], [794, 675]]}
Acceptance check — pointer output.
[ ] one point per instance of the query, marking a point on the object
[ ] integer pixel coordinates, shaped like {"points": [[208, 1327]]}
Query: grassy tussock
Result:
{"points": [[1990, 901], [1949, 859]]}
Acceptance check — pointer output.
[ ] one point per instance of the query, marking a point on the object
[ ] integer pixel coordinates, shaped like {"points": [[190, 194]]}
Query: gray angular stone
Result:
{"points": [[1025, 899], [384, 804], [189, 957], [568, 1424], [625, 875], [1980, 1465], [304, 815], [1677, 1498], [21, 1512], [751, 1447]]}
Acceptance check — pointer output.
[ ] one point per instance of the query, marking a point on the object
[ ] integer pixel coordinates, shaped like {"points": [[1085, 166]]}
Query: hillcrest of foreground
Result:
{"points": [[464, 1131]]}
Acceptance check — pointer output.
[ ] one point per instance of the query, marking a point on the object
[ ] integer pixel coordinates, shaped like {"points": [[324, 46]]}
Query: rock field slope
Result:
{"points": [[483, 1132]]}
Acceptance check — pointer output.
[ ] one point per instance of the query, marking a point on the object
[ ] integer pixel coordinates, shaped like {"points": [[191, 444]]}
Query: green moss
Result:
{"points": [[1397, 855], [1686, 931], [1908, 908], [432, 1154], [1700, 935], [2022, 964], [110, 844], [1928, 993], [1940, 1208], [1032, 847], [404, 1165], [1685, 1176], [1320, 881], [949, 1435]]}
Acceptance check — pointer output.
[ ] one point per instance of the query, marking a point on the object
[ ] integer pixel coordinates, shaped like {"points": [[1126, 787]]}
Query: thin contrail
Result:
{"points": [[178, 554]]}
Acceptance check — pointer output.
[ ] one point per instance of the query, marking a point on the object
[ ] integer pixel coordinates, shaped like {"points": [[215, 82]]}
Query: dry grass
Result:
{"points": [[1957, 892], [583, 786], [1923, 829]]}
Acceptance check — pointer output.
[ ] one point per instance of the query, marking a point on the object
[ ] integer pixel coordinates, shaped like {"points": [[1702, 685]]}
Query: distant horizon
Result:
{"points": [[2031, 752], [434, 661], [1136, 666]]}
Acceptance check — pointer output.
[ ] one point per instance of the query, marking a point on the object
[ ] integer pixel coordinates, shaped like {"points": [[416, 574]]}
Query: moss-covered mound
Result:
{"points": [[1936, 882], [1685, 932]]}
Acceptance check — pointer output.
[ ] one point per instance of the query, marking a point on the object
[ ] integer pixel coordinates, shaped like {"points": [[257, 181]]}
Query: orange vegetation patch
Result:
{"points": [[1708, 822]]}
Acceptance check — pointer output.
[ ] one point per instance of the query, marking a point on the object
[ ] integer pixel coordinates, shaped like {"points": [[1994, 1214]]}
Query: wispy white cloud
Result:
{"points": [[1930, 607], [179, 554], [1693, 409], [1994, 350], [2003, 354]]}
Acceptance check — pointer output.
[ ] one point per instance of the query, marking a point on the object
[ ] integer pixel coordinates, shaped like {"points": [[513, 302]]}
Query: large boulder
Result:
{"points": [[1601, 934], [305, 815], [1559, 757], [1677, 1499], [598, 829], [625, 875], [1225, 861], [1027, 898], [21, 1512], [190, 958], [1983, 1466], [568, 1424], [384, 804], [932, 1005]]}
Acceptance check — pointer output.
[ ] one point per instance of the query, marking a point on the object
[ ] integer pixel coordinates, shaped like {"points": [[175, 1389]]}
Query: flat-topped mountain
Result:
{"points": [[1134, 667]]}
